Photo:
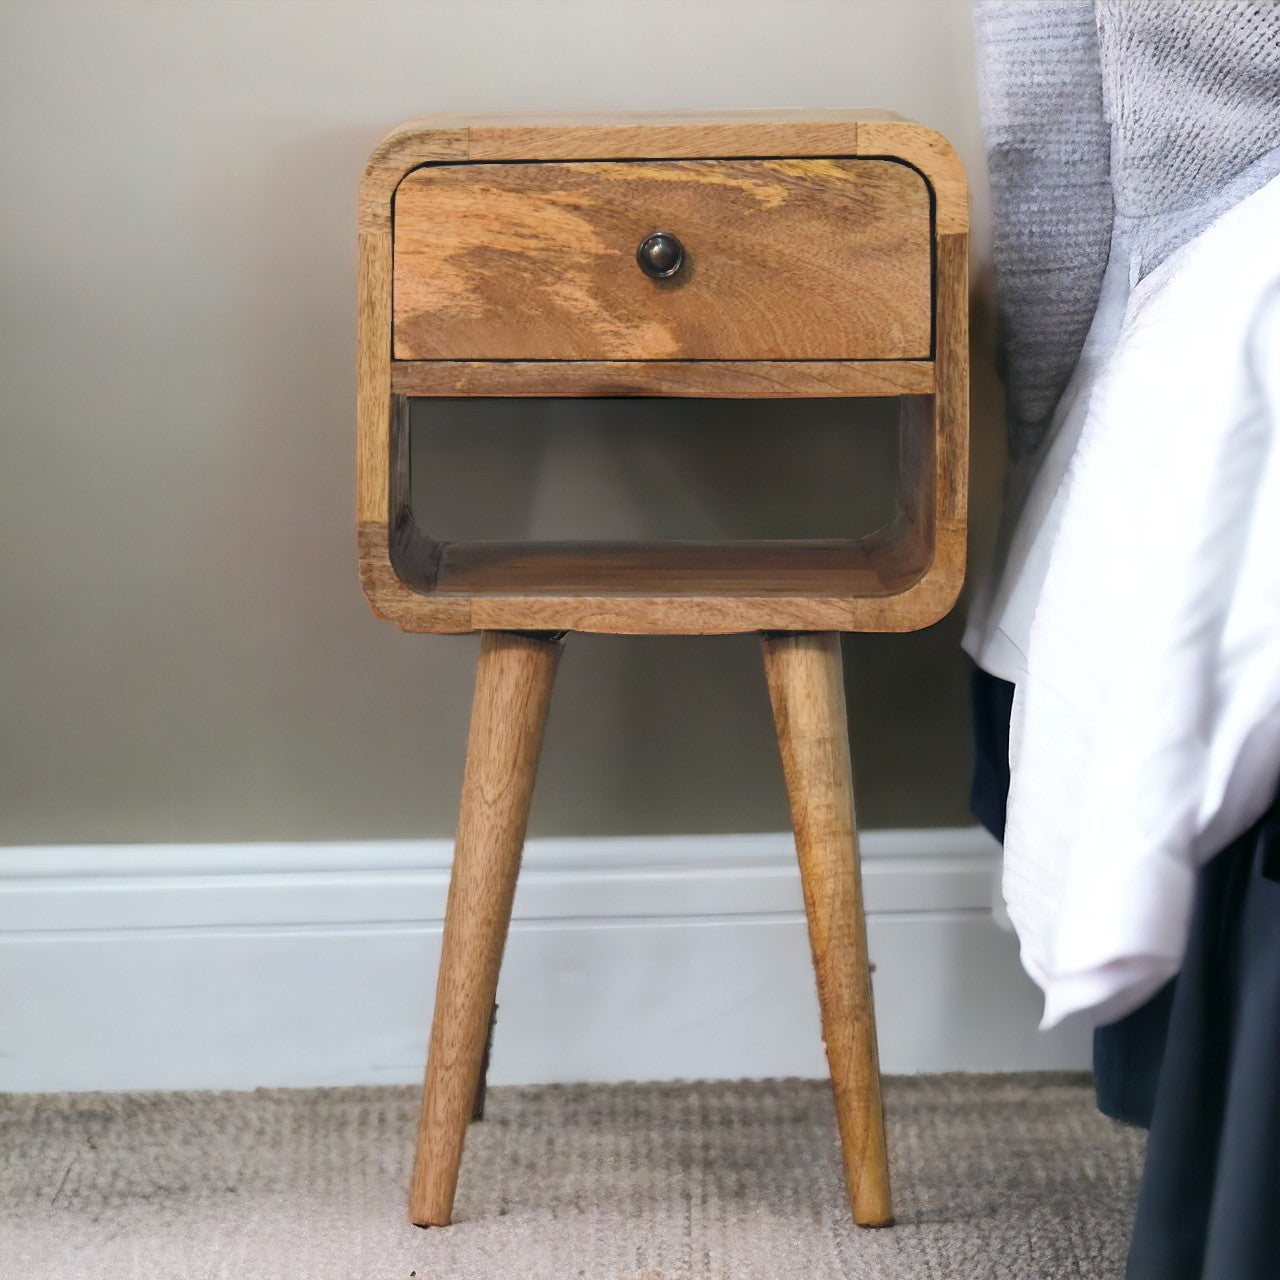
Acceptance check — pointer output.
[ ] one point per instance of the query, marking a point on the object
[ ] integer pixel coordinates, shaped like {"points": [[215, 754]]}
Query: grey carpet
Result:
{"points": [[995, 1176]]}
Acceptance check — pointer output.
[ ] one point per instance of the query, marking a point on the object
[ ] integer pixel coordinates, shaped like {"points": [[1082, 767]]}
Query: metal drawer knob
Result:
{"points": [[660, 255]]}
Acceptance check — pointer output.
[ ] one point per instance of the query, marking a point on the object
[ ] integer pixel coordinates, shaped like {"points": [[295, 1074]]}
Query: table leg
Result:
{"points": [[806, 687], [513, 690]]}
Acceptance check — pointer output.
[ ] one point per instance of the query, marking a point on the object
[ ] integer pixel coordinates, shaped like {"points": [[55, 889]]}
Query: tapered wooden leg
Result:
{"points": [[806, 687], [513, 689]]}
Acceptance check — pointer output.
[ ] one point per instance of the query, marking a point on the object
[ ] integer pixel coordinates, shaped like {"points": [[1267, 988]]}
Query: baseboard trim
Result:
{"points": [[233, 966]]}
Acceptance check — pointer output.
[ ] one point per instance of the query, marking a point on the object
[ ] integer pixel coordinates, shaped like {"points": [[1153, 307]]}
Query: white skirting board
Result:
{"points": [[237, 966]]}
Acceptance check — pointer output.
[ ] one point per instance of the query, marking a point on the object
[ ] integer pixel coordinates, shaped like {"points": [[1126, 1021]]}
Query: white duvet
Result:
{"points": [[1139, 616]]}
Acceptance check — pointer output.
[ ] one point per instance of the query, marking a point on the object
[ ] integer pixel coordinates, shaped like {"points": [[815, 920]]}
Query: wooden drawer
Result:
{"points": [[497, 257], [786, 259]]}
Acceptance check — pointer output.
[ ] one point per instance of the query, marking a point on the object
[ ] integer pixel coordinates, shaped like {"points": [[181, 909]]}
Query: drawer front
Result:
{"points": [[806, 259]]}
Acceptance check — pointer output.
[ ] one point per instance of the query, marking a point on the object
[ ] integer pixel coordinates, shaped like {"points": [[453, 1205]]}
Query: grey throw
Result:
{"points": [[1152, 114]]}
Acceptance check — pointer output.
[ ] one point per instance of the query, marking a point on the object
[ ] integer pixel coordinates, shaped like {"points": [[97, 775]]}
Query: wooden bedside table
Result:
{"points": [[754, 254]]}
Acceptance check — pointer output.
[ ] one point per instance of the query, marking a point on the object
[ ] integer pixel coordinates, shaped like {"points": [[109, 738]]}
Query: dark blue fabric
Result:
{"points": [[1126, 1060], [992, 708], [1199, 1064], [1209, 1206]]}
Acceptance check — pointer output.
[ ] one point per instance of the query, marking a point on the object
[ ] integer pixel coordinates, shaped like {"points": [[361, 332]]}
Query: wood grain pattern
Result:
{"points": [[916, 563], [758, 379], [391, 597], [662, 135], [785, 260], [636, 135], [952, 367], [373, 376], [414, 143], [651, 134], [934, 450], [672, 568], [523, 273], [682, 588], [615, 614], [512, 693], [933, 156], [806, 688]]}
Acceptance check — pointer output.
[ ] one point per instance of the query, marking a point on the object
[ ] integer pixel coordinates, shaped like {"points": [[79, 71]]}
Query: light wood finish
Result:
{"points": [[819, 244], [933, 156], [781, 568], [703, 588], [663, 135], [784, 260], [655, 135], [513, 689], [951, 393], [757, 379], [806, 688], [903, 577], [373, 378], [628, 135]]}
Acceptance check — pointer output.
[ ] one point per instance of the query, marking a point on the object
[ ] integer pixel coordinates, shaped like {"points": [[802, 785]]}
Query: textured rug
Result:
{"points": [[994, 1177]]}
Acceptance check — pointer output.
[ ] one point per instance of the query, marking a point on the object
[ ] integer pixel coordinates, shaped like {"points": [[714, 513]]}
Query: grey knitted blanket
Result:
{"points": [[1156, 113]]}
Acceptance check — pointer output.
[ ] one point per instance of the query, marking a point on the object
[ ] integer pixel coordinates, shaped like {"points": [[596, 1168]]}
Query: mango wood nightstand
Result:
{"points": [[755, 254]]}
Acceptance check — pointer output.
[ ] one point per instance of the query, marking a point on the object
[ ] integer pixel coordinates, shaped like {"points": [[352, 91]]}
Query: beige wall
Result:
{"points": [[186, 654]]}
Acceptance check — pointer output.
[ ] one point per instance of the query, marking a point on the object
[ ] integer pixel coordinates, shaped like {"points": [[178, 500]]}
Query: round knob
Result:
{"points": [[660, 255]]}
